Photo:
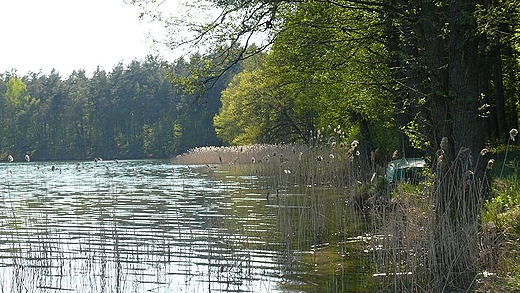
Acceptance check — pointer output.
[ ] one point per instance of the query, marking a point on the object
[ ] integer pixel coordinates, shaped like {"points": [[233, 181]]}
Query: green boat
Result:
{"points": [[409, 169]]}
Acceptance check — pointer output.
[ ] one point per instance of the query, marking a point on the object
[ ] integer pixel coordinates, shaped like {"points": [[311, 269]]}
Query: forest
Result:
{"points": [[397, 75], [134, 111]]}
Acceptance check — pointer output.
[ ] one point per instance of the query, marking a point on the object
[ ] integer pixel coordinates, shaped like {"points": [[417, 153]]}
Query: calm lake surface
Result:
{"points": [[151, 226]]}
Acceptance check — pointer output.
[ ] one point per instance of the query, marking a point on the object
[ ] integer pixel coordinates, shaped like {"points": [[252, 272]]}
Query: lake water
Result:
{"points": [[151, 226]]}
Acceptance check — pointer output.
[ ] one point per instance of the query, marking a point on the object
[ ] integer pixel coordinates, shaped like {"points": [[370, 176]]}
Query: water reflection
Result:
{"points": [[137, 226]]}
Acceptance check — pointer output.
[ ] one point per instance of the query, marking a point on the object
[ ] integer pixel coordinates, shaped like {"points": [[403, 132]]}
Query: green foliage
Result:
{"points": [[417, 139], [239, 120], [365, 62], [135, 111], [503, 209], [16, 93], [315, 75], [502, 215]]}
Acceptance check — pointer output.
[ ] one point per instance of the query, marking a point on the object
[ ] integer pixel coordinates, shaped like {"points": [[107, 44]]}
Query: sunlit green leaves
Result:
{"points": [[16, 93], [335, 54], [322, 70]]}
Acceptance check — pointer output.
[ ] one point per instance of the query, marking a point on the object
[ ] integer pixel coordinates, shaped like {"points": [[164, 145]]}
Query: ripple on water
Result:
{"points": [[133, 226]]}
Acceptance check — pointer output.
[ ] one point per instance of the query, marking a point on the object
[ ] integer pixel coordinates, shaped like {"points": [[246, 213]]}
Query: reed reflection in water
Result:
{"points": [[133, 226]]}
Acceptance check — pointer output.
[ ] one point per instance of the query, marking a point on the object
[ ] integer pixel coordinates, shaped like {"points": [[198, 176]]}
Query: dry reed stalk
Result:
{"points": [[430, 237], [298, 179]]}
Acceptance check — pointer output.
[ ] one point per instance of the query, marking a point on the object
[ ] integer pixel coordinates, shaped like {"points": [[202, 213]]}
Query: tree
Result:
{"points": [[133, 111], [309, 80], [19, 108], [242, 117], [77, 87]]}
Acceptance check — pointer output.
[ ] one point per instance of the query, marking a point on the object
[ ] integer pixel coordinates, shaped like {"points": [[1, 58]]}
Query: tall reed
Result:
{"points": [[313, 189], [432, 230], [422, 237]]}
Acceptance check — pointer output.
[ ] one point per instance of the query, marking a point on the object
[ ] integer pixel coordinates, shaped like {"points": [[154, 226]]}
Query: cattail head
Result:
{"points": [[512, 134], [394, 154], [490, 164], [444, 144], [440, 159], [463, 152]]}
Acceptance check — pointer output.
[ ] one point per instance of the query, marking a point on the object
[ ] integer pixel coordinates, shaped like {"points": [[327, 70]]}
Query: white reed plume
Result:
{"points": [[464, 152], [512, 134], [444, 144], [483, 152], [490, 164], [394, 154]]}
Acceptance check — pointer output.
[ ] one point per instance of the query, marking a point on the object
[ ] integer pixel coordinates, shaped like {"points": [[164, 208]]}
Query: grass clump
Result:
{"points": [[503, 209], [501, 225]]}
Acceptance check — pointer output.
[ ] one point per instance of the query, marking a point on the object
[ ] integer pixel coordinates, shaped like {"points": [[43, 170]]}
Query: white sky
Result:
{"points": [[70, 35]]}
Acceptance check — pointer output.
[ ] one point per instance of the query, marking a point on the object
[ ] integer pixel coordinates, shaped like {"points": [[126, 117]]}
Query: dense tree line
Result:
{"points": [[433, 69], [133, 111]]}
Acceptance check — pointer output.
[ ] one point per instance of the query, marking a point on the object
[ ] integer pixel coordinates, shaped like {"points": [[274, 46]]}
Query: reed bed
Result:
{"points": [[317, 191], [421, 237]]}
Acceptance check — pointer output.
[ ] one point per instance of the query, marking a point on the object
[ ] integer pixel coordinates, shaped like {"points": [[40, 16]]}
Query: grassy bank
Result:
{"points": [[500, 222]]}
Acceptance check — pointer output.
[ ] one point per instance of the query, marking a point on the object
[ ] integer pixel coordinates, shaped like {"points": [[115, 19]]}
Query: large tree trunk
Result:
{"points": [[498, 92], [436, 59], [463, 81], [453, 104], [458, 197]]}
